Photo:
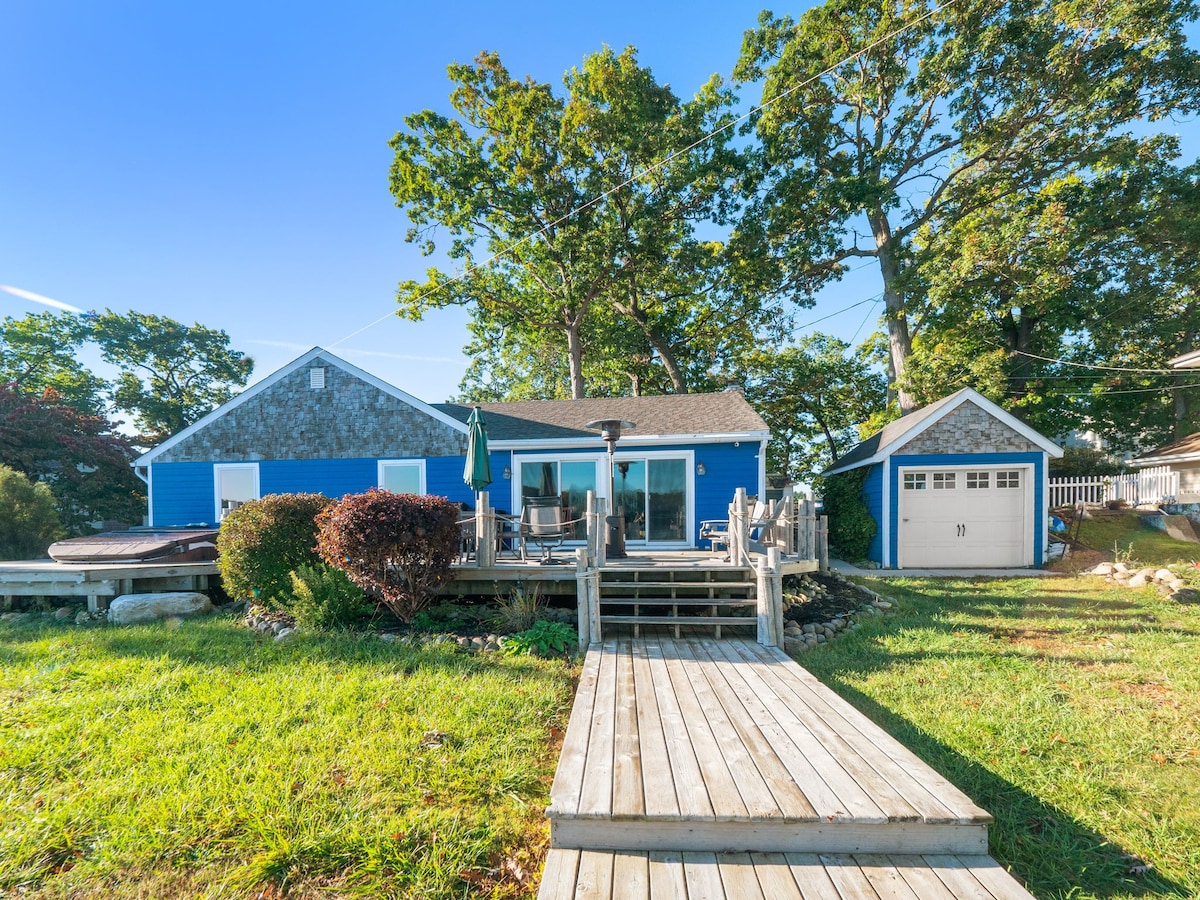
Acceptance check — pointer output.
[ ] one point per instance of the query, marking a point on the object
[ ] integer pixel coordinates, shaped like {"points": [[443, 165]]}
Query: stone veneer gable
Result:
{"points": [[347, 419], [969, 429]]}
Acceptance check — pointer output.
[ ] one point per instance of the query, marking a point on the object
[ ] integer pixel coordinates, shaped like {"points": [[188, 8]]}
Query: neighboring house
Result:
{"points": [[958, 483], [1182, 456], [322, 425]]}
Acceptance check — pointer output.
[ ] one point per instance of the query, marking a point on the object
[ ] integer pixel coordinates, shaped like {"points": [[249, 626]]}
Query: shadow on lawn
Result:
{"points": [[1056, 855]]}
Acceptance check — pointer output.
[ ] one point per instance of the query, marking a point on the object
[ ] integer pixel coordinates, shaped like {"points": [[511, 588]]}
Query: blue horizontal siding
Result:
{"points": [[872, 494], [182, 494], [1038, 460]]}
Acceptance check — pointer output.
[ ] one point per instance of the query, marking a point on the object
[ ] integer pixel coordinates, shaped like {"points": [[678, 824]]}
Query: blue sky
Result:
{"points": [[227, 162]]}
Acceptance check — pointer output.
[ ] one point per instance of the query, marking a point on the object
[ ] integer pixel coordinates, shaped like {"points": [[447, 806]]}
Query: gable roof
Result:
{"points": [[276, 377], [895, 434], [1182, 450], [680, 416]]}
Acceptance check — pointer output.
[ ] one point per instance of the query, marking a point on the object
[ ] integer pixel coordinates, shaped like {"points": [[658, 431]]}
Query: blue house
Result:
{"points": [[958, 483], [322, 425]]}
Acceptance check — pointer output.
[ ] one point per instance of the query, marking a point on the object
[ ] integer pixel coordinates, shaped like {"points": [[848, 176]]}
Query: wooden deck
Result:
{"points": [[99, 582], [706, 760], [665, 875]]}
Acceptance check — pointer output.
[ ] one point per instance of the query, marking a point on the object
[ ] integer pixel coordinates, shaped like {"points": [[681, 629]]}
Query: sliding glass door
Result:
{"points": [[567, 479], [652, 493]]}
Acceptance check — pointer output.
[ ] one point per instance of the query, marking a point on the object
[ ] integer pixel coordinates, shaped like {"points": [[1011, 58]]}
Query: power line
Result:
{"points": [[654, 168]]}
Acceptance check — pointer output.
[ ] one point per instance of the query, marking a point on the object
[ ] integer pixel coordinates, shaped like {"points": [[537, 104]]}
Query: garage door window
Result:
{"points": [[977, 481], [943, 481], [914, 481], [1008, 479]]}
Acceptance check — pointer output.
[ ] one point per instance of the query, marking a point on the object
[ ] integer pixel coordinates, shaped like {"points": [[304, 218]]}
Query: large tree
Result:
{"points": [[587, 207], [171, 374], [41, 351], [948, 108], [814, 395]]}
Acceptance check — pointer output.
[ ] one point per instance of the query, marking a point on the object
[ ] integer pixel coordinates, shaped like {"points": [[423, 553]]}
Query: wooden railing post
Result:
{"points": [[583, 598], [739, 529], [597, 529], [770, 599], [823, 543], [485, 532]]}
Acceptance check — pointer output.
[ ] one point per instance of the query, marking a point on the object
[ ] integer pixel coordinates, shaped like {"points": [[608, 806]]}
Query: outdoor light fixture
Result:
{"points": [[507, 473], [700, 470], [610, 431]]}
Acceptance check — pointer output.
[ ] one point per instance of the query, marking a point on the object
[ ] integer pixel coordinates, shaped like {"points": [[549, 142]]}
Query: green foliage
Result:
{"points": [[261, 542], [812, 395], [171, 374], [397, 547], [41, 351], [28, 517], [1077, 462], [79, 457], [322, 597], [520, 610], [622, 291], [851, 526], [542, 639]]}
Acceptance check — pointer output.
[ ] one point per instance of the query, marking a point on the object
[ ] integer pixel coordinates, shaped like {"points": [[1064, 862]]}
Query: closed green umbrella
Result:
{"points": [[478, 470]]}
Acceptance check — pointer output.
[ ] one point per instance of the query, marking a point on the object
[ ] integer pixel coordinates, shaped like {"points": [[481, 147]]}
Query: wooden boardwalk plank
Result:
{"points": [[956, 874], [739, 877], [854, 759], [693, 800], [809, 872], [627, 792], [745, 768], [667, 878], [775, 876], [884, 877], [849, 879], [993, 876], [925, 786], [657, 776], [631, 876], [559, 875], [920, 877], [595, 799], [844, 799], [703, 877], [595, 874], [568, 777]]}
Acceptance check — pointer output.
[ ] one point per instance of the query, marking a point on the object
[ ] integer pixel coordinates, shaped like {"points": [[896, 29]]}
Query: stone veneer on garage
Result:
{"points": [[347, 419], [969, 429]]}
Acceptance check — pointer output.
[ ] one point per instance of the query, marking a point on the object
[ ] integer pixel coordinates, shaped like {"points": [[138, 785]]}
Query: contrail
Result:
{"points": [[38, 298]]}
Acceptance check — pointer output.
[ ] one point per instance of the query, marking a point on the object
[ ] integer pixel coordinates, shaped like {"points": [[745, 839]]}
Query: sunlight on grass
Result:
{"points": [[126, 752], [1068, 709]]}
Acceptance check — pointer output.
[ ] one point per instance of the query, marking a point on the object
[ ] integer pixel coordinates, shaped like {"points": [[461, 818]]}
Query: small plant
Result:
{"points": [[397, 547], [521, 610], [542, 639], [263, 541], [322, 597], [1124, 556]]}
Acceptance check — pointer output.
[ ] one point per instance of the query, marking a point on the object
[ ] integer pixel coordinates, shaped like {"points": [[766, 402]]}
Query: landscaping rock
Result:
{"points": [[793, 645], [63, 613], [1137, 580], [130, 609], [1119, 567], [1164, 575], [1186, 595], [1104, 568], [285, 634]]}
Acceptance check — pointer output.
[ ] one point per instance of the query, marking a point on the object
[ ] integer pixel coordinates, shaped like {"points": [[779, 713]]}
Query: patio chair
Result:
{"points": [[544, 525], [761, 524], [510, 534]]}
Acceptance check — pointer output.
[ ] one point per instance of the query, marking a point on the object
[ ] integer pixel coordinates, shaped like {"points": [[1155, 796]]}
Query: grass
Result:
{"points": [[1126, 534], [207, 761], [1067, 708]]}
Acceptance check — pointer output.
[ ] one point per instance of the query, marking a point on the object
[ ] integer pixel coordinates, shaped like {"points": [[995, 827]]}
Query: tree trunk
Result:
{"points": [[658, 342], [1018, 334], [575, 360], [899, 339]]}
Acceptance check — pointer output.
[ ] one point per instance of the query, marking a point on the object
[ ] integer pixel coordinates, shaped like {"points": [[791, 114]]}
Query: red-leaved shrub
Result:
{"points": [[396, 547]]}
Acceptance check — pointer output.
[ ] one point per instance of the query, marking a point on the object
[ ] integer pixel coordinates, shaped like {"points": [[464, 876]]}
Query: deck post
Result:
{"points": [[769, 590], [485, 532], [788, 518], [596, 531], [739, 529], [584, 611], [822, 553]]}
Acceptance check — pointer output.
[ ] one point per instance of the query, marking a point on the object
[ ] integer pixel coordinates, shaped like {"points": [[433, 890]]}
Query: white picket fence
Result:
{"points": [[1155, 485]]}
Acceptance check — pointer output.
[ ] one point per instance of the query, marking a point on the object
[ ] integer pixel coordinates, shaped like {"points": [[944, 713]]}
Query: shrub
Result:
{"points": [[851, 526], [262, 541], [397, 547], [546, 638], [29, 521], [324, 597]]}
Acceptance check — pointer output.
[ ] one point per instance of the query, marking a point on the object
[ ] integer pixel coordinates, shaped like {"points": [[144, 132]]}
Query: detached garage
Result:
{"points": [[957, 484]]}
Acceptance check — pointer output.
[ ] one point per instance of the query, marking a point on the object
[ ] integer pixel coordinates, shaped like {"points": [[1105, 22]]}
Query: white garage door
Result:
{"points": [[965, 516]]}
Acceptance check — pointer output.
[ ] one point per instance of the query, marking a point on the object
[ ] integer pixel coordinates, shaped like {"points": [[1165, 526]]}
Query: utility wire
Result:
{"points": [[654, 168]]}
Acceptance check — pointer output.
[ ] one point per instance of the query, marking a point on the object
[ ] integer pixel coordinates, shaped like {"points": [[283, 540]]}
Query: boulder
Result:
{"points": [[130, 609], [1138, 580], [63, 613], [1164, 575], [1186, 595], [1104, 568]]}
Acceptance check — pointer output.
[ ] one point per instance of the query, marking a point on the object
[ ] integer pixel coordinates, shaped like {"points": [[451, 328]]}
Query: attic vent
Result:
{"points": [[316, 378]]}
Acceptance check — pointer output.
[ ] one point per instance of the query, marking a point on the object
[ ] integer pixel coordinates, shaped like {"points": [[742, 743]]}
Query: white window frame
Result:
{"points": [[218, 468], [415, 461]]}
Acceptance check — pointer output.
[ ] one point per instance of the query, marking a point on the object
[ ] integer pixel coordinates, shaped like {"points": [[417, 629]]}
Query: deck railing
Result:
{"points": [[1147, 486]]}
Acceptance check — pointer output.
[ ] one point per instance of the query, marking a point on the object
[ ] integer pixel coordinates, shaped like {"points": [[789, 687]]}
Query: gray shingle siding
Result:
{"points": [[346, 419]]}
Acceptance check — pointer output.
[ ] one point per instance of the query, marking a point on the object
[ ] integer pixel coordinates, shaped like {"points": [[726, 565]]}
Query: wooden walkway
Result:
{"points": [[725, 764]]}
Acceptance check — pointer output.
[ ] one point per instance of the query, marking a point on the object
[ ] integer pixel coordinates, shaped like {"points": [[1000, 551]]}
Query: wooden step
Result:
{"points": [[667, 875], [699, 585], [731, 602], [678, 620]]}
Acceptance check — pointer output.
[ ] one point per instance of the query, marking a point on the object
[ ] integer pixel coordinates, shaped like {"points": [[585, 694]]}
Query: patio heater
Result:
{"points": [[610, 431]]}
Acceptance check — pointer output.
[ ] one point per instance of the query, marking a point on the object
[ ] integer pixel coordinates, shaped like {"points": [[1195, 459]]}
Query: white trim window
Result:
{"points": [[402, 476], [233, 485]]}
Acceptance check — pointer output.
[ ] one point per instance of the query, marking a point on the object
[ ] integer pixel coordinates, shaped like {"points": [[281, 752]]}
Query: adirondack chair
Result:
{"points": [[717, 530]]}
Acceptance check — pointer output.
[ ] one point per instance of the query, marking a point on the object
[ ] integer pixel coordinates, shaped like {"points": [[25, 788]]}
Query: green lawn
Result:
{"points": [[1067, 708], [207, 761], [1127, 536]]}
